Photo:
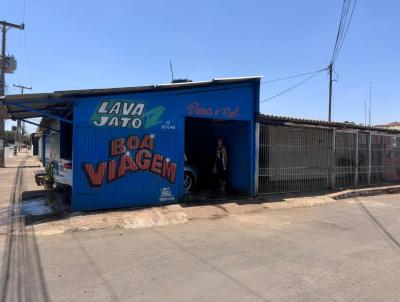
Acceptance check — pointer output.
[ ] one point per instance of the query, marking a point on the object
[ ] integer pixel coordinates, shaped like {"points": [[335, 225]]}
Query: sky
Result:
{"points": [[71, 44]]}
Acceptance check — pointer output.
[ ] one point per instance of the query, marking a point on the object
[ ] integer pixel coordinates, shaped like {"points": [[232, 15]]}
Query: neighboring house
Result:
{"points": [[48, 140], [393, 126], [391, 159]]}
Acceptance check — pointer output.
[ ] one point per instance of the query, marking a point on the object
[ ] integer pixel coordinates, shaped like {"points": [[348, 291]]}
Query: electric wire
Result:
{"points": [[344, 23], [340, 28], [292, 87], [27, 59], [20, 32], [23, 11], [347, 28], [26, 45], [291, 77], [18, 44]]}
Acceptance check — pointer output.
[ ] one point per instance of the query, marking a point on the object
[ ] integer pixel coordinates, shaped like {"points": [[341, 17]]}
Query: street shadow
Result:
{"points": [[210, 197], [21, 275], [202, 198], [23, 167]]}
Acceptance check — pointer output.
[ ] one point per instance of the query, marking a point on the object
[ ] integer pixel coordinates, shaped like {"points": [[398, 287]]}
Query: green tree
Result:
{"points": [[9, 137]]}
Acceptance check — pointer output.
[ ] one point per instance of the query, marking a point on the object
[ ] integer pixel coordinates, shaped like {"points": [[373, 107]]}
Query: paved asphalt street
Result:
{"points": [[347, 251], [343, 251]]}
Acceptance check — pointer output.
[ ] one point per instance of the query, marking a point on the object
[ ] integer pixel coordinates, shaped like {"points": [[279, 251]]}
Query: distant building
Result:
{"points": [[393, 126]]}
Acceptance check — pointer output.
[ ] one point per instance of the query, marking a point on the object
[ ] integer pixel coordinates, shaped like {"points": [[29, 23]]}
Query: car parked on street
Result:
{"points": [[63, 173], [190, 177]]}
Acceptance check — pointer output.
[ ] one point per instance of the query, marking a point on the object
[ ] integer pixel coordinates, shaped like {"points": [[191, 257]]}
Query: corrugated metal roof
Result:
{"points": [[53, 106], [264, 118], [57, 100], [389, 125]]}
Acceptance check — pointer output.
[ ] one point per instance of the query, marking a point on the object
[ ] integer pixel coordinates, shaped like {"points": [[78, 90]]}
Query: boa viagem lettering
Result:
{"points": [[130, 155]]}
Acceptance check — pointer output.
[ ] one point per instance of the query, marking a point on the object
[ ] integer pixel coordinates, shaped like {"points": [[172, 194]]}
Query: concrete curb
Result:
{"points": [[366, 192], [177, 214]]}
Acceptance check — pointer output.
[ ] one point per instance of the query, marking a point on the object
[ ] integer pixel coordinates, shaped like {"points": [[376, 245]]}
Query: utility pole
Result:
{"points": [[330, 69], [4, 27], [172, 71], [365, 113], [20, 130], [371, 84]]}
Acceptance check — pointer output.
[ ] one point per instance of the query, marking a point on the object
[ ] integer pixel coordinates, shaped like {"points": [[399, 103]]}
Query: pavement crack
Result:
{"points": [[210, 265], [380, 226], [99, 273]]}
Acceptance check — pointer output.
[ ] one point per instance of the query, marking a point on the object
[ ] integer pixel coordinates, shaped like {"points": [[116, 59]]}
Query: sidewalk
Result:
{"points": [[182, 213], [154, 216], [8, 178]]}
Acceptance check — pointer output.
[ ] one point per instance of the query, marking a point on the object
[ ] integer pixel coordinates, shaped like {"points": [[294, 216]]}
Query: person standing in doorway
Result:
{"points": [[221, 165]]}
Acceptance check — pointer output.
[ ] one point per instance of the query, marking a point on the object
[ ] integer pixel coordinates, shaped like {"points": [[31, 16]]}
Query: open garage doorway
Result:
{"points": [[201, 137]]}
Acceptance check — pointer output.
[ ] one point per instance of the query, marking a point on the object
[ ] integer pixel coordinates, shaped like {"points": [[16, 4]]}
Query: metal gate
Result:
{"points": [[346, 159], [300, 159], [385, 159], [293, 159]]}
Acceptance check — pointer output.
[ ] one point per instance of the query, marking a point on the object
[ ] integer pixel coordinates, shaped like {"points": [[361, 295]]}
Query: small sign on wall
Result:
{"points": [[1, 144], [126, 114]]}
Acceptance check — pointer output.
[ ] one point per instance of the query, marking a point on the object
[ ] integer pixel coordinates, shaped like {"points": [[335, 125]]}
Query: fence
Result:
{"points": [[302, 158]]}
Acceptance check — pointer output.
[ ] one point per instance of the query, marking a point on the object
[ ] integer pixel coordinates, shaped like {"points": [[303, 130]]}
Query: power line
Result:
{"points": [[292, 87], [291, 77], [23, 11], [340, 28], [20, 33], [344, 24], [27, 59], [347, 28]]}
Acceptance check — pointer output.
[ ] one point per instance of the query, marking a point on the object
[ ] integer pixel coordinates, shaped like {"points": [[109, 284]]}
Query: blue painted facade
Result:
{"points": [[128, 149]]}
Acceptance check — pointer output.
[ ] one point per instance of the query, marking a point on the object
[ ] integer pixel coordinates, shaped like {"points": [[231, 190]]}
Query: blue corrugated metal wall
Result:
{"points": [[98, 121], [135, 188]]}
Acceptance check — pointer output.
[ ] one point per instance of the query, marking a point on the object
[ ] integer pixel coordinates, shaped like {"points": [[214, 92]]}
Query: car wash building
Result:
{"points": [[128, 145]]}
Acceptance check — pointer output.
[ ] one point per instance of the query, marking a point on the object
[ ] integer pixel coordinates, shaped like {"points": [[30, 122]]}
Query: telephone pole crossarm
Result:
{"points": [[22, 87], [8, 24]]}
